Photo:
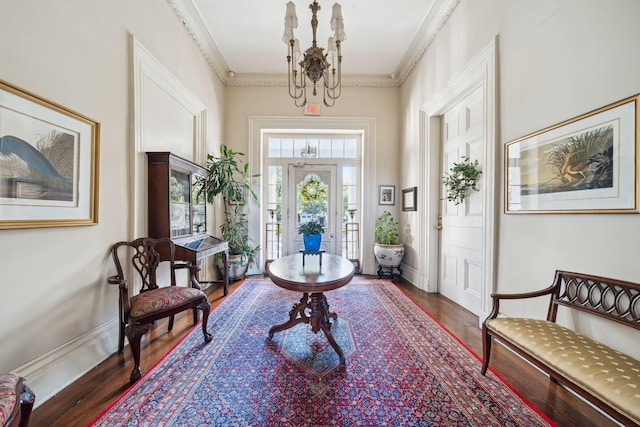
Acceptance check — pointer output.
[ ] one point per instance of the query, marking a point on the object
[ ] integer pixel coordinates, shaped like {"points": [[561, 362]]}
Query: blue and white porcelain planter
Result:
{"points": [[388, 255], [389, 258]]}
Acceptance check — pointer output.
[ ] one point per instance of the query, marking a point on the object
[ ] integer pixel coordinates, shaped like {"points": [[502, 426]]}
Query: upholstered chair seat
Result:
{"points": [[16, 401], [150, 304]]}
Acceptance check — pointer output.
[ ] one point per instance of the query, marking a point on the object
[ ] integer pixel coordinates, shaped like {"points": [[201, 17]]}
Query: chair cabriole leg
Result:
{"points": [[206, 308], [134, 332], [486, 349]]}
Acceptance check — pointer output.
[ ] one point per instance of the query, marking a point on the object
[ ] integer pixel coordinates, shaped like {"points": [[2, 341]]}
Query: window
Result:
{"points": [[318, 148]]}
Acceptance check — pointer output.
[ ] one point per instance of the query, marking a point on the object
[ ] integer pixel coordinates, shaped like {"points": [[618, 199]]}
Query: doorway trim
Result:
{"points": [[480, 72], [259, 125]]}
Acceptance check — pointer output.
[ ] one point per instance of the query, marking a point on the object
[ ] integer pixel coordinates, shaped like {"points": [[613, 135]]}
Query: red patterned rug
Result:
{"points": [[402, 369]]}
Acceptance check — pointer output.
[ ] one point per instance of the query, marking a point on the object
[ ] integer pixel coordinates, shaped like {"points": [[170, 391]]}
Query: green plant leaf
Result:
{"points": [[461, 178]]}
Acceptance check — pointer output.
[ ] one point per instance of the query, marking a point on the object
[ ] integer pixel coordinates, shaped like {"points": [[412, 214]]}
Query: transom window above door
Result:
{"points": [[320, 148]]}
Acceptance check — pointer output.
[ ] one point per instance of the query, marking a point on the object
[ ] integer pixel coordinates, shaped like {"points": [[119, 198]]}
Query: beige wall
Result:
{"points": [[381, 104], [57, 313], [557, 59]]}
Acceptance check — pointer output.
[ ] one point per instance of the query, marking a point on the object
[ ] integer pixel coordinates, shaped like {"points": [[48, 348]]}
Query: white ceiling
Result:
{"points": [[242, 39]]}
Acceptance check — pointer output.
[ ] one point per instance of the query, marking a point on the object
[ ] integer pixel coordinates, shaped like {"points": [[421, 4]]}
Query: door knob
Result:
{"points": [[439, 227]]}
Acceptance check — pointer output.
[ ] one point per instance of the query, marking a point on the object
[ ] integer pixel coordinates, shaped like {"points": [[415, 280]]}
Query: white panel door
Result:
{"points": [[461, 256]]}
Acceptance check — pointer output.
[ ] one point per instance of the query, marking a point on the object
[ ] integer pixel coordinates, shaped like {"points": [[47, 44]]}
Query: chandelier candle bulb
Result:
{"points": [[290, 19]]}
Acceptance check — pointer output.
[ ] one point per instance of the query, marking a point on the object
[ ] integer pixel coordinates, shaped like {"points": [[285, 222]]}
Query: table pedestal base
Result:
{"points": [[319, 318]]}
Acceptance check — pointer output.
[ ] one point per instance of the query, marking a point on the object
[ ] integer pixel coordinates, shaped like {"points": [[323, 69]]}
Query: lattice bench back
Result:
{"points": [[613, 299]]}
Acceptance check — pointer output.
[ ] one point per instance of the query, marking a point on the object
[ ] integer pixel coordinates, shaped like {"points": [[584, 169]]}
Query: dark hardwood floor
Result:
{"points": [[81, 402]]}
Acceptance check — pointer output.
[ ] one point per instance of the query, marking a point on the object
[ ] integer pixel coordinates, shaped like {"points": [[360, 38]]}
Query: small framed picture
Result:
{"points": [[409, 199], [387, 195]]}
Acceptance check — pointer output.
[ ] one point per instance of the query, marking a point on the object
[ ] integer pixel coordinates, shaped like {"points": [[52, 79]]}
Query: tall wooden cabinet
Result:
{"points": [[177, 208]]}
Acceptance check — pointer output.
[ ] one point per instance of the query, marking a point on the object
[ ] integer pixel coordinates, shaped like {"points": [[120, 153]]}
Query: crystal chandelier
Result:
{"points": [[315, 64]]}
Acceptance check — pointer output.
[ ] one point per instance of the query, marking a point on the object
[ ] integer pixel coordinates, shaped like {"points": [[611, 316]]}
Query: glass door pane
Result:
{"points": [[315, 199]]}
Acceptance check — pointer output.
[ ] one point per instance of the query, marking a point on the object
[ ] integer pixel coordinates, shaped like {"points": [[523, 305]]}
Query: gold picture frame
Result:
{"points": [[49, 159], [587, 164]]}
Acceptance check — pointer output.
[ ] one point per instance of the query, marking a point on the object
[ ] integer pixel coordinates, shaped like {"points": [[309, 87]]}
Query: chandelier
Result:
{"points": [[314, 64]]}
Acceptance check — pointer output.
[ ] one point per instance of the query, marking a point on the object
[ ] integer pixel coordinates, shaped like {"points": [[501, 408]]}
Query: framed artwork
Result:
{"points": [[409, 199], [49, 163], [386, 194], [583, 165]]}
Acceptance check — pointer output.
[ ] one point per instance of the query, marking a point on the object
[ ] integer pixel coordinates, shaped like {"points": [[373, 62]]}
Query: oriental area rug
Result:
{"points": [[402, 369]]}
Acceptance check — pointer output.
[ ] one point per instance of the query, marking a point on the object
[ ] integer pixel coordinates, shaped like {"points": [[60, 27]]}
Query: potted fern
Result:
{"points": [[387, 247]]}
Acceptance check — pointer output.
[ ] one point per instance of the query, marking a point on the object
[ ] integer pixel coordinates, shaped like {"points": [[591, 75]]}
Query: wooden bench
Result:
{"points": [[605, 377]]}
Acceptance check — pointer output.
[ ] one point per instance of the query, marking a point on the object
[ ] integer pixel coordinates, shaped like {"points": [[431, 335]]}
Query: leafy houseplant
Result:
{"points": [[386, 231], [228, 175], [387, 248], [311, 227], [311, 234], [234, 231], [461, 178]]}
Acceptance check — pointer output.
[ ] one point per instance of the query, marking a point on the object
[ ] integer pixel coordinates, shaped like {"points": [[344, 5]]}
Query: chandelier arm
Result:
{"points": [[291, 77], [303, 79], [333, 92], [296, 92], [296, 96], [331, 83], [324, 100], [304, 100]]}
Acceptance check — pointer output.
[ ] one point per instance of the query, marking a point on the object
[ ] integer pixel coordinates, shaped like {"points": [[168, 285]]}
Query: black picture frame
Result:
{"points": [[386, 194], [410, 199]]}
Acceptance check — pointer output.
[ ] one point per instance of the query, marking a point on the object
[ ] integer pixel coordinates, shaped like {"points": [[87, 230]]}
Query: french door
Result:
{"points": [[311, 177], [312, 196]]}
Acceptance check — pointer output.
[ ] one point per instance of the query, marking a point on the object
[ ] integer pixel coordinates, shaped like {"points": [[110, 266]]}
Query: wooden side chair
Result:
{"points": [[16, 401], [138, 312]]}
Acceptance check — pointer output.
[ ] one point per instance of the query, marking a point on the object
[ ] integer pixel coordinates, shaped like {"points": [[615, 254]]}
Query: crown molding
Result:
{"points": [[199, 32], [280, 80], [188, 14], [431, 26]]}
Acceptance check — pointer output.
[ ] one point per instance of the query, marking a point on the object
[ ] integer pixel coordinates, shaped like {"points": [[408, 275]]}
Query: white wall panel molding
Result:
{"points": [[148, 72]]}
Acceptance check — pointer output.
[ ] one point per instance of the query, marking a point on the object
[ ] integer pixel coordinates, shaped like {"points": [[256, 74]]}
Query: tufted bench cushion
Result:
{"points": [[606, 373], [8, 398], [164, 298]]}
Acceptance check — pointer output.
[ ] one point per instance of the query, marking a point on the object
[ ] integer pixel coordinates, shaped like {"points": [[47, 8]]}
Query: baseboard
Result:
{"points": [[53, 371], [410, 274]]}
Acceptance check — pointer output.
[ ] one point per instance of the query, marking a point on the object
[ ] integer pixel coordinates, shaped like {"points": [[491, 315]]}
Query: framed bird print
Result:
{"points": [[583, 165], [49, 163]]}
